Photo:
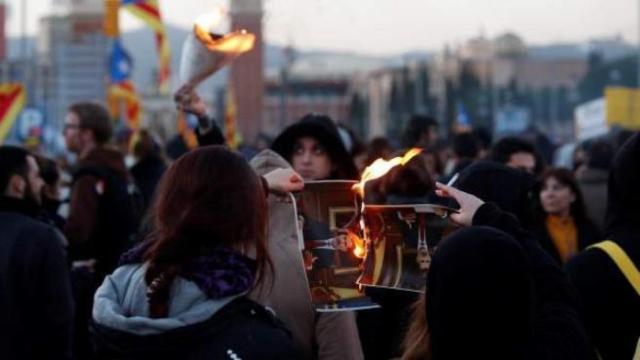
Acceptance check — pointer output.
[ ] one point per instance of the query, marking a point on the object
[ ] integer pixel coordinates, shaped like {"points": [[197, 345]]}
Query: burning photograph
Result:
{"points": [[333, 249], [402, 221], [400, 242]]}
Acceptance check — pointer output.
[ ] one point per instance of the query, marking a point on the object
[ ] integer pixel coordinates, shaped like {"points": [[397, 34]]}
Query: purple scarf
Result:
{"points": [[221, 273]]}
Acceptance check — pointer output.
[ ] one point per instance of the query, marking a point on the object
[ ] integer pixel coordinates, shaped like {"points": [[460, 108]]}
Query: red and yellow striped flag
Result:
{"points": [[149, 12], [12, 100], [125, 92], [231, 134]]}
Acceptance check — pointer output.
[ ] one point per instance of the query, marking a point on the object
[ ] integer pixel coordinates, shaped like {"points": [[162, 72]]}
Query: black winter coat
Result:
{"points": [[558, 332], [147, 173], [587, 235], [231, 333], [36, 308], [611, 307]]}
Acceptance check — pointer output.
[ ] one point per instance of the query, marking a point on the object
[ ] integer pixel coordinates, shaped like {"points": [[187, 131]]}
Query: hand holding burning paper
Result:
{"points": [[205, 51], [400, 237]]}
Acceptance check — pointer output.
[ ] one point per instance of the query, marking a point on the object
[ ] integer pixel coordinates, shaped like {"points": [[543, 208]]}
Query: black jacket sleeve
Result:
{"points": [[213, 135], [57, 306], [559, 332]]}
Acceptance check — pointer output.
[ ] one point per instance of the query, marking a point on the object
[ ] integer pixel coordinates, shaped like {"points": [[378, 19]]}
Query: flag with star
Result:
{"points": [[122, 89]]}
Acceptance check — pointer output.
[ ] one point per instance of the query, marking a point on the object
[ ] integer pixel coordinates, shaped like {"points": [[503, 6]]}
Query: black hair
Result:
{"points": [[465, 145], [600, 155], [48, 170], [566, 178], [94, 117], [484, 137], [13, 161], [503, 149], [417, 125]]}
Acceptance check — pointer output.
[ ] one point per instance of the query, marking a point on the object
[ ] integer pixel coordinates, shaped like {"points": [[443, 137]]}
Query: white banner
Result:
{"points": [[590, 120]]}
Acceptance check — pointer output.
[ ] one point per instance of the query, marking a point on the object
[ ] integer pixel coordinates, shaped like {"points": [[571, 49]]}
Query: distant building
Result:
{"points": [[538, 74], [390, 96], [247, 71], [74, 49], [282, 107]]}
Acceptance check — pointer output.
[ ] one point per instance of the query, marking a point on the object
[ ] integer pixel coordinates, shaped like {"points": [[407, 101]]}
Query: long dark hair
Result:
{"points": [[208, 198], [566, 178]]}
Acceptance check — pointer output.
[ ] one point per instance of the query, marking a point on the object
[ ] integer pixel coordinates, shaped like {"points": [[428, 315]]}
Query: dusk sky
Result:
{"points": [[387, 27]]}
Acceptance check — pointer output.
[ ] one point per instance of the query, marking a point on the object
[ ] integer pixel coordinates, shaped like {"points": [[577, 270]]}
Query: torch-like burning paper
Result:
{"points": [[204, 52]]}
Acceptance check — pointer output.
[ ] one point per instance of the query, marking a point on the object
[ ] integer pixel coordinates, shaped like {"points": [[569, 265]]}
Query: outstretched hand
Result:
{"points": [[284, 180], [187, 100], [469, 204]]}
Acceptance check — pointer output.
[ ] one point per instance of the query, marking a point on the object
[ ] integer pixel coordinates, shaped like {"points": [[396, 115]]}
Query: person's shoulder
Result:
{"points": [[588, 267], [29, 224], [33, 233], [247, 325], [590, 256], [255, 313]]}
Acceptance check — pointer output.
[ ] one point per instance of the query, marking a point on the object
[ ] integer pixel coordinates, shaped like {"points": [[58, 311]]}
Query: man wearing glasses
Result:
{"points": [[100, 220]]}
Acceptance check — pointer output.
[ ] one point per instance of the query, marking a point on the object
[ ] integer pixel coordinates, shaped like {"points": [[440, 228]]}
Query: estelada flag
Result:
{"points": [[12, 99], [149, 12]]}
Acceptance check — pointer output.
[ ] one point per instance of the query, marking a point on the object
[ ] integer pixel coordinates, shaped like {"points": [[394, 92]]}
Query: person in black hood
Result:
{"points": [[314, 149], [480, 294], [539, 321], [36, 307], [611, 305]]}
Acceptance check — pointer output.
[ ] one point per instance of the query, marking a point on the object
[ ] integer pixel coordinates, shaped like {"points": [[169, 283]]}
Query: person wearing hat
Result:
{"points": [[314, 149]]}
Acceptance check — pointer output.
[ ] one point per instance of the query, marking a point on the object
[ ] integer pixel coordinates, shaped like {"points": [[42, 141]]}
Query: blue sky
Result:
{"points": [[391, 26]]}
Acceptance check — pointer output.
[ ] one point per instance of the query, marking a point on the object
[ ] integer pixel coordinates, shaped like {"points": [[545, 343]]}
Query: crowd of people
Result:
{"points": [[199, 258]]}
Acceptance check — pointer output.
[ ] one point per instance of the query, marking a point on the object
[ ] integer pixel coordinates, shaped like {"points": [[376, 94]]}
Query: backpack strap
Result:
{"points": [[622, 260]]}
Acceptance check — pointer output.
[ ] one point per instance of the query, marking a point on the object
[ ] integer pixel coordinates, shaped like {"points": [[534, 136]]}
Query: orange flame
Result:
{"points": [[358, 245], [381, 166], [235, 43]]}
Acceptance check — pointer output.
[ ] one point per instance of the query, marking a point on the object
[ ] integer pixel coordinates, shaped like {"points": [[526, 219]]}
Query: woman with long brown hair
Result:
{"points": [[181, 293], [561, 223]]}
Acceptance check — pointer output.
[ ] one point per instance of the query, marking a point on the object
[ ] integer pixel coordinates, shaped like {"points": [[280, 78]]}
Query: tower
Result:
{"points": [[247, 78], [3, 39]]}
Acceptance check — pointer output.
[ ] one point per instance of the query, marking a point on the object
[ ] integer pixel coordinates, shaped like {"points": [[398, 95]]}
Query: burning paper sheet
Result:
{"points": [[400, 239], [400, 242], [333, 248]]}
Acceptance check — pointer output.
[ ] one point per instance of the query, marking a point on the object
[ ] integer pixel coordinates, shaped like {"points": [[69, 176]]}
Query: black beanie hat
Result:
{"points": [[323, 129]]}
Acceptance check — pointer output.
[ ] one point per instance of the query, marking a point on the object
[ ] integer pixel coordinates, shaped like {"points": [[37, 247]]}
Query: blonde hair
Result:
{"points": [[416, 343]]}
